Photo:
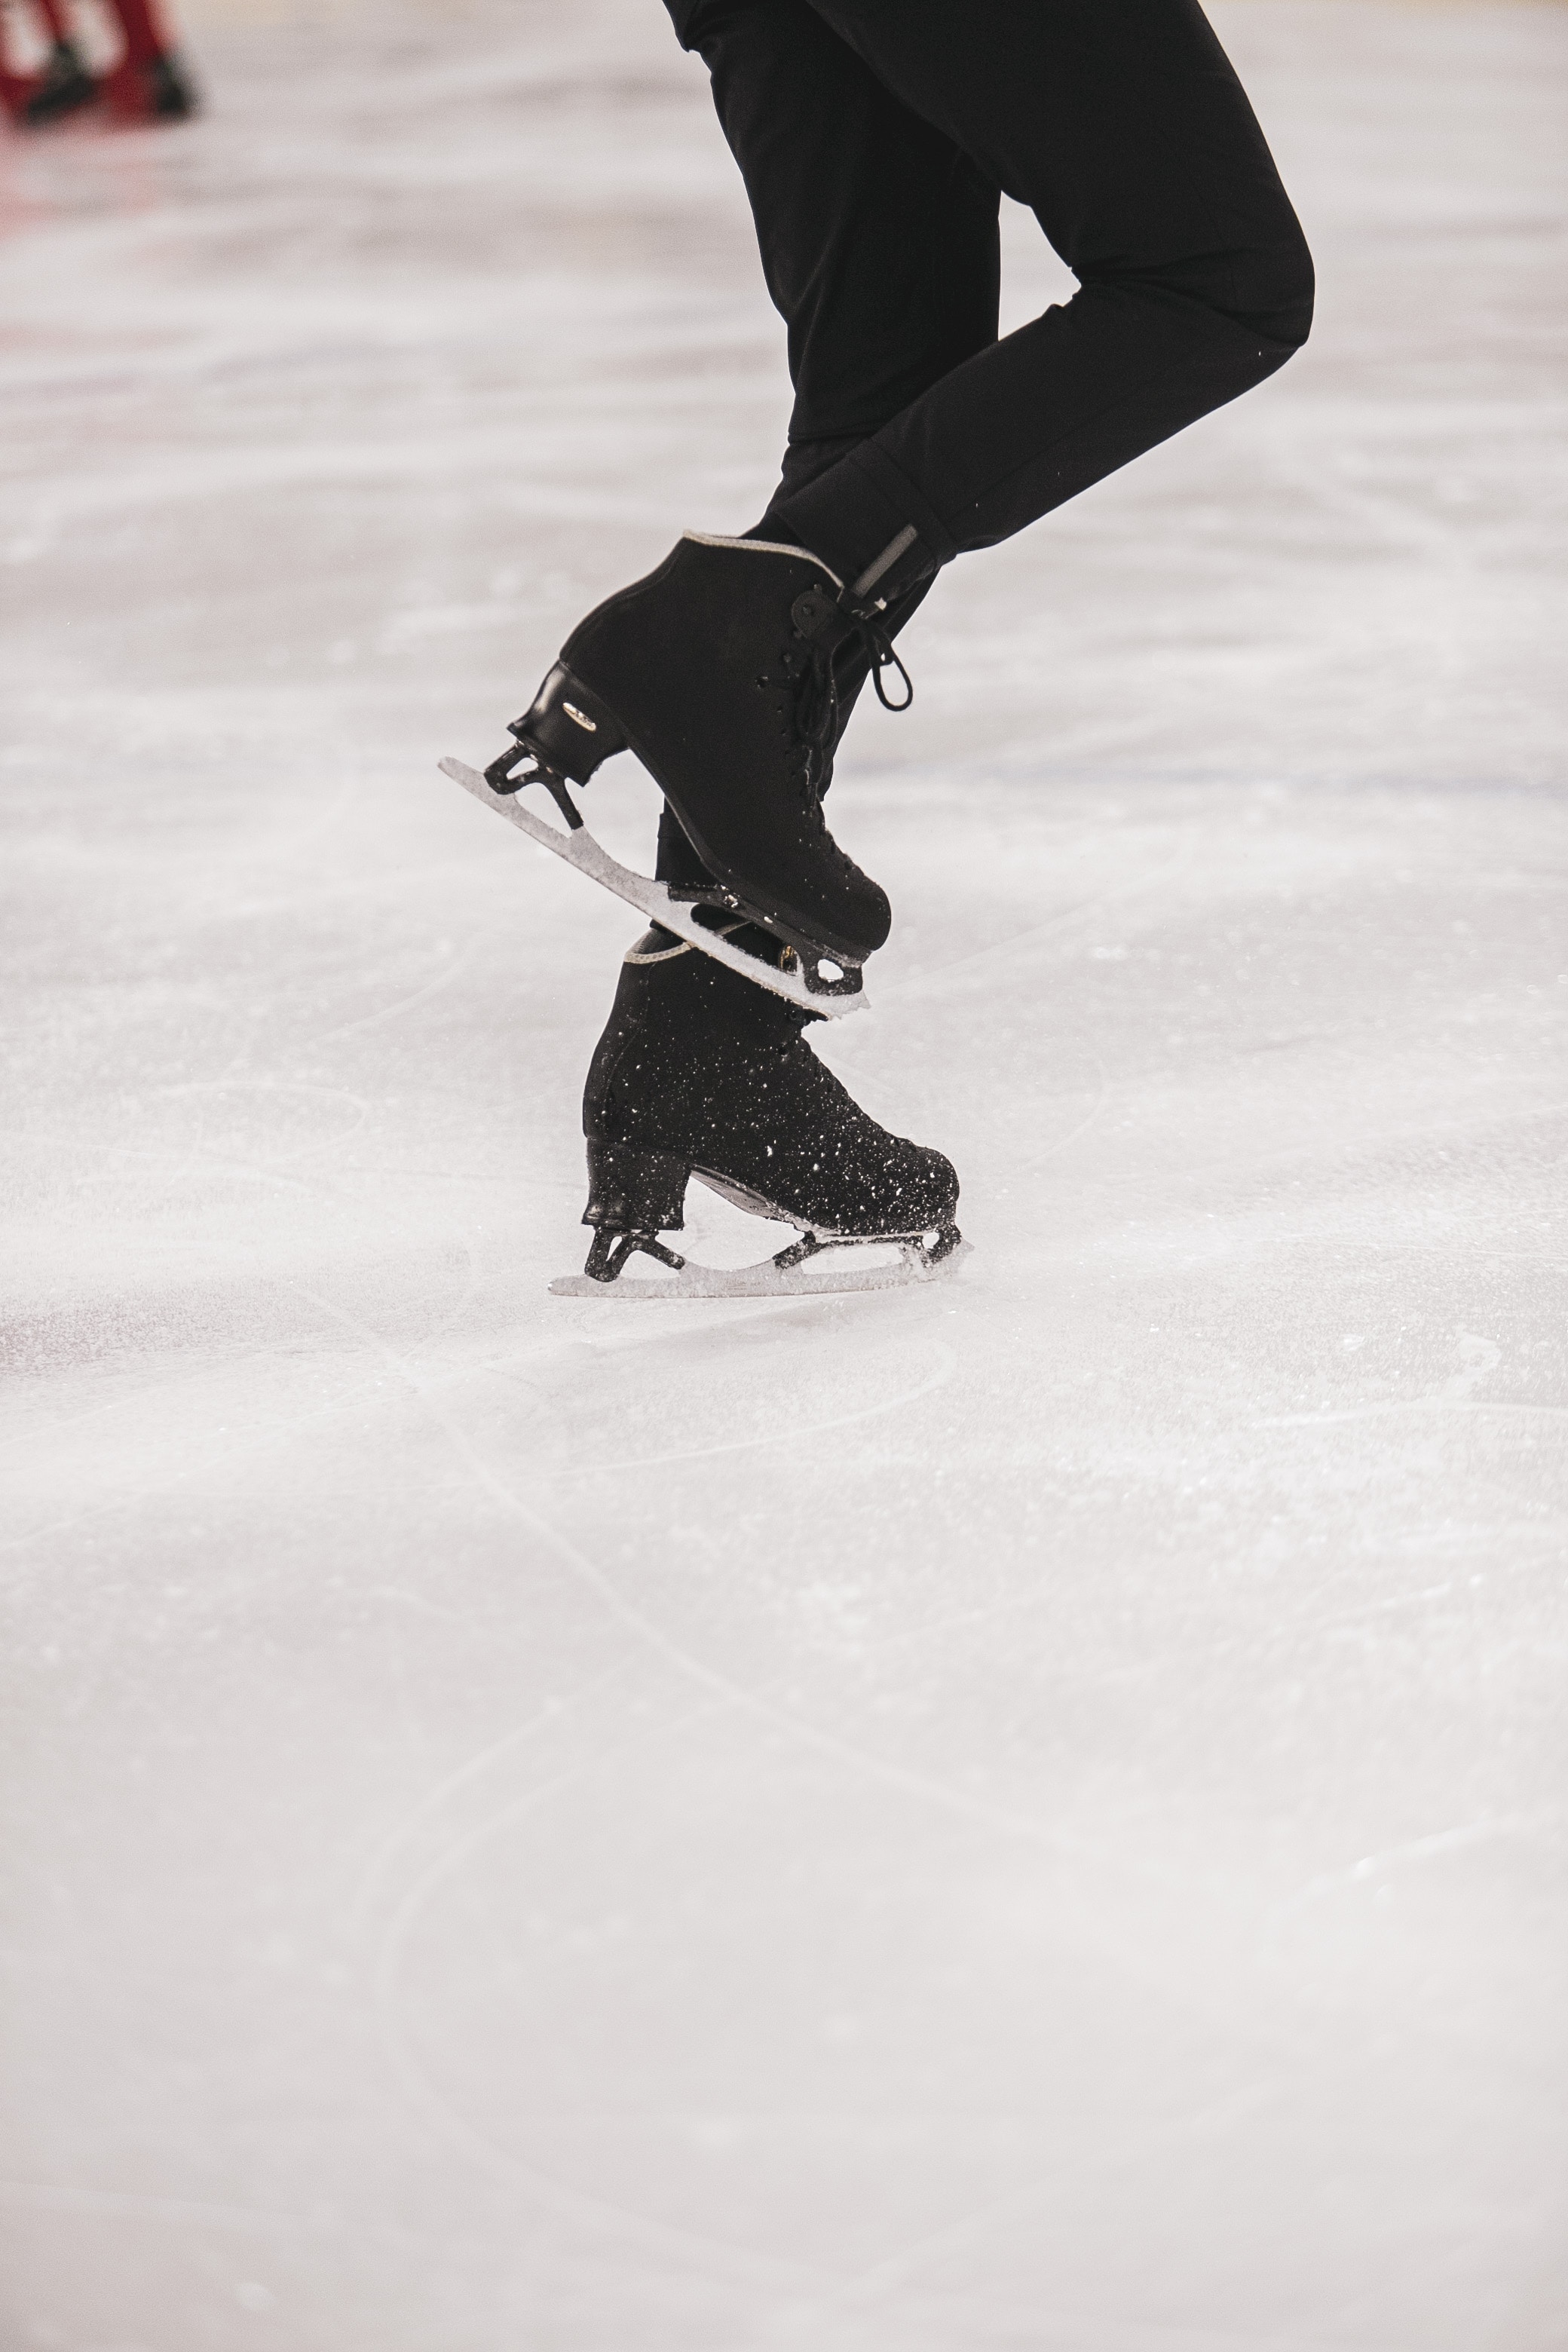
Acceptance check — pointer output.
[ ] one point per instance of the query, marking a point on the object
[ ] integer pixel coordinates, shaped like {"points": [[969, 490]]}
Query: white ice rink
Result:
{"points": [[1026, 1816]]}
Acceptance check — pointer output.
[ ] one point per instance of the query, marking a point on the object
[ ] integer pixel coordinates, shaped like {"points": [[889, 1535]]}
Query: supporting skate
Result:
{"points": [[719, 671], [701, 1073], [811, 982]]}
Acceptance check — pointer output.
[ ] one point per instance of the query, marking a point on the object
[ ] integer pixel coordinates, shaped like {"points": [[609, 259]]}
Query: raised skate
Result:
{"points": [[719, 671]]}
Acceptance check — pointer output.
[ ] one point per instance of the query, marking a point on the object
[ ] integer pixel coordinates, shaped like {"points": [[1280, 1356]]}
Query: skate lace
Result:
{"points": [[817, 704]]}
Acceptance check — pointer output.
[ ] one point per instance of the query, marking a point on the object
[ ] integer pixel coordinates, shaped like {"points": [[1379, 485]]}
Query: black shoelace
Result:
{"points": [[816, 709]]}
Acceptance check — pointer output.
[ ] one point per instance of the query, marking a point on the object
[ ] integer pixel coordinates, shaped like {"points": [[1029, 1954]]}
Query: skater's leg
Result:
{"points": [[62, 85], [878, 242], [149, 85], [1123, 124], [144, 42], [877, 233]]}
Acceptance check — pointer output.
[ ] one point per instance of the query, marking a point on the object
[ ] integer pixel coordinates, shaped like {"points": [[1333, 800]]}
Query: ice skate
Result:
{"points": [[812, 984], [63, 87], [718, 670], [150, 90], [700, 1073]]}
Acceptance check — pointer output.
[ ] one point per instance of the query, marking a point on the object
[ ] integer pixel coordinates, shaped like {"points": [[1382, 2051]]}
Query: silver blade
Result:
{"points": [[651, 899], [814, 1279]]}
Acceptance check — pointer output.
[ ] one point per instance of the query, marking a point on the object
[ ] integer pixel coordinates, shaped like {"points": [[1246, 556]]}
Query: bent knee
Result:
{"points": [[1272, 288], [1264, 285]]}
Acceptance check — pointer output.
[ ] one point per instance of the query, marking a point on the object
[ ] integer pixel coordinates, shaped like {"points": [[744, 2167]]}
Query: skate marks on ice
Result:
{"points": [[539, 1772], [463, 1823], [651, 899]]}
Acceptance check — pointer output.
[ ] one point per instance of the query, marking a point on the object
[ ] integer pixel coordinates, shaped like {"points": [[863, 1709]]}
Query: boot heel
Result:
{"points": [[568, 729], [633, 1196]]}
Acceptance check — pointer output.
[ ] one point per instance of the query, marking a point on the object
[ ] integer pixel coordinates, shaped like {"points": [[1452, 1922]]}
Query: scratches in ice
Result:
{"points": [[786, 1433], [714, 1691], [1372, 1868]]}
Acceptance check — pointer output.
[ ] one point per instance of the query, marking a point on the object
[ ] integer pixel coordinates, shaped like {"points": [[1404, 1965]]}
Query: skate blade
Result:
{"points": [[770, 1280], [651, 899]]}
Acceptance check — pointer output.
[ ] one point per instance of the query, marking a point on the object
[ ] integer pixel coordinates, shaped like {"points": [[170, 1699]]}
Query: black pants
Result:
{"points": [[875, 136]]}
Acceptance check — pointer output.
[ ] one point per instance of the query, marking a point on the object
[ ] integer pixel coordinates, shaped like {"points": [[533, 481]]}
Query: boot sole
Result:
{"points": [[589, 731]]}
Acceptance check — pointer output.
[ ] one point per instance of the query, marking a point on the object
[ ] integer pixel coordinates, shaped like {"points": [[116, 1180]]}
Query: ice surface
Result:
{"points": [[1023, 1815]]}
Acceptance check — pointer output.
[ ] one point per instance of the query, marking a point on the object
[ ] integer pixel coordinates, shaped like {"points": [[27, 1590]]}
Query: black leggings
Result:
{"points": [[875, 136]]}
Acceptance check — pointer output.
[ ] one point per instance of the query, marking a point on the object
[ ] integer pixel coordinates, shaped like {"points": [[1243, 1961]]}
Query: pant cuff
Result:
{"points": [[865, 517]]}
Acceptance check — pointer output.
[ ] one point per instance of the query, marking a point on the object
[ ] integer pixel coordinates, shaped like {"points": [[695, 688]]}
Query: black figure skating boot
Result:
{"points": [[64, 86], [701, 1072], [168, 95], [719, 671]]}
